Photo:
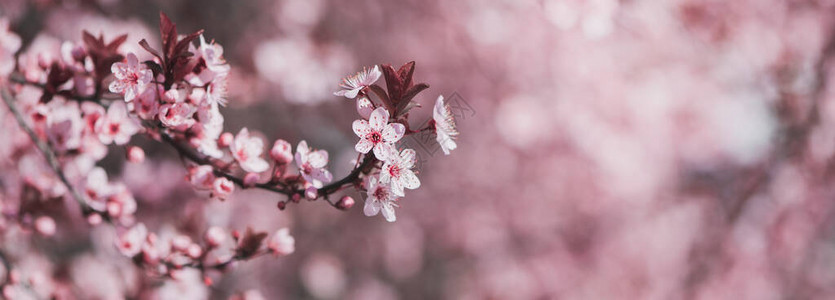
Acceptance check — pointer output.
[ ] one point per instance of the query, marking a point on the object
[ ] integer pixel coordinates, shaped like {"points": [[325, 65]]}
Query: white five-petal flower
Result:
{"points": [[131, 77], [380, 198], [116, 127], [247, 151], [353, 84], [312, 165], [377, 134], [444, 126], [397, 172]]}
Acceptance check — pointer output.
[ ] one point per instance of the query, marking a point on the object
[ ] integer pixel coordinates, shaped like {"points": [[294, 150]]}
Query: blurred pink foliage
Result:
{"points": [[609, 150]]}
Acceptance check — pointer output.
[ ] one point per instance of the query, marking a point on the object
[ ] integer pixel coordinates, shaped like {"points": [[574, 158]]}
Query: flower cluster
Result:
{"points": [[77, 104]]}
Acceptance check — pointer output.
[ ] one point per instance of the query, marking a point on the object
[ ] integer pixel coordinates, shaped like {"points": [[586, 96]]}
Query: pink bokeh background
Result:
{"points": [[631, 149]]}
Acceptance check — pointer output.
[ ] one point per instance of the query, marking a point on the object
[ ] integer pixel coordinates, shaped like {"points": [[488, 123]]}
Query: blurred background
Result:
{"points": [[632, 149]]}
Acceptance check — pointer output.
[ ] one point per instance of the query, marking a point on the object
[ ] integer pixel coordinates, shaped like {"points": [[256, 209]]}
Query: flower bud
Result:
{"points": [[250, 179], [94, 219], [222, 188], [345, 203], [282, 205], [135, 154], [282, 152], [225, 140], [311, 193], [215, 236], [45, 225]]}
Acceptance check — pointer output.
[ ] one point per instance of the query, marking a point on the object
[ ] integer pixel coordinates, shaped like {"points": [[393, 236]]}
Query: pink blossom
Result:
{"points": [[312, 165], [282, 152], [213, 55], [380, 198], [147, 105], [397, 171], [376, 133], [178, 116], [64, 126], [364, 107], [352, 85], [222, 188], [215, 236], [281, 242], [202, 177], [97, 188], [444, 126], [45, 225], [131, 77], [130, 242], [247, 151], [116, 127], [9, 44]]}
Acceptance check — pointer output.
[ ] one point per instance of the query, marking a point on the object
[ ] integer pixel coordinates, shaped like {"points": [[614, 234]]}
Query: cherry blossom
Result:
{"points": [[177, 116], [116, 127], [222, 188], [380, 198], [202, 177], [397, 172], [312, 165], [444, 126], [378, 134], [9, 44], [281, 242], [282, 152], [131, 77], [65, 126], [352, 85], [247, 151], [130, 242]]}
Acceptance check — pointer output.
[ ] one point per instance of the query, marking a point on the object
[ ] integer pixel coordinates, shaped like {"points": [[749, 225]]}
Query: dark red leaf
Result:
{"points": [[118, 41], [409, 94], [250, 243], [377, 90], [168, 33], [182, 45], [148, 48], [405, 74], [90, 40], [154, 66], [392, 82]]}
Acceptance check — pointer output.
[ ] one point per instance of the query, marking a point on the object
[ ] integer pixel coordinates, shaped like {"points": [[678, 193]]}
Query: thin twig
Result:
{"points": [[48, 154]]}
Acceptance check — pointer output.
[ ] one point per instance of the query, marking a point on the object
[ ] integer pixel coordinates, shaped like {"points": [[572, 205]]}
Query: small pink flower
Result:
{"points": [[116, 127], [444, 126], [64, 126], [147, 105], [247, 151], [376, 133], [178, 116], [213, 55], [312, 165], [215, 236], [45, 225], [352, 85], [282, 243], [131, 77], [397, 171], [282, 152], [222, 188], [136, 155], [130, 242], [202, 177], [380, 198], [9, 44]]}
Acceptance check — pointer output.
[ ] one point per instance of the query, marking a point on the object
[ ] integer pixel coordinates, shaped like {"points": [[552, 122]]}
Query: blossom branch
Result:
{"points": [[47, 152]]}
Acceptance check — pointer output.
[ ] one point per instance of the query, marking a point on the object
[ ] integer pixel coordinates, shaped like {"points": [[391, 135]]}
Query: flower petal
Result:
{"points": [[371, 207], [409, 180], [363, 146], [408, 158], [318, 158], [388, 212], [393, 132], [379, 118], [361, 128], [383, 151]]}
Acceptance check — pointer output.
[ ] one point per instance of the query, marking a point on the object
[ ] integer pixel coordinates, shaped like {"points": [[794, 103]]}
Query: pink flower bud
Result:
{"points": [[207, 281], [282, 205], [215, 236], [225, 140], [180, 243], [114, 209], [296, 198], [311, 193], [282, 152], [222, 188], [135, 154], [194, 251], [345, 203], [94, 219], [45, 225], [250, 179], [282, 243]]}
